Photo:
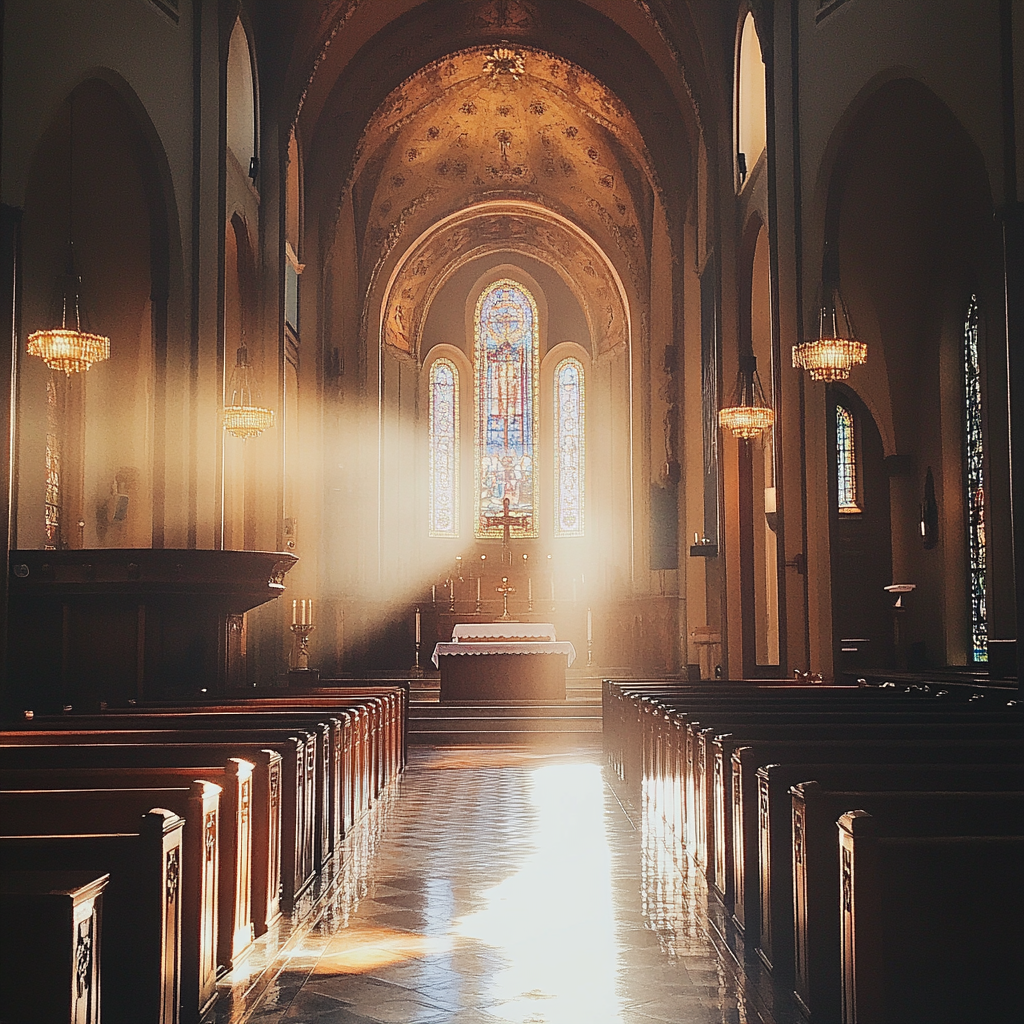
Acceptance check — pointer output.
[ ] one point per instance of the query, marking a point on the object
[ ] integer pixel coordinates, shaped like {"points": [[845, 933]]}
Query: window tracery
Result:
{"points": [[846, 461], [444, 449], [570, 448]]}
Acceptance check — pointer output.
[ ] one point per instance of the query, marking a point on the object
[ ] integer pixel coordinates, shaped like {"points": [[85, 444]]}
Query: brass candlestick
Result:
{"points": [[300, 650], [505, 590]]}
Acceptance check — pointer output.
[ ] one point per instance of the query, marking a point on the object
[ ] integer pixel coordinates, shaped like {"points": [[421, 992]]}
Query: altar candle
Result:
{"points": [[295, 610], [529, 587], [417, 625], [590, 626], [309, 612], [433, 593], [478, 590]]}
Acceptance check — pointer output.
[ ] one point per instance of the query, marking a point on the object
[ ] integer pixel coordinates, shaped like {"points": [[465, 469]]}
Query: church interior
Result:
{"points": [[509, 474]]}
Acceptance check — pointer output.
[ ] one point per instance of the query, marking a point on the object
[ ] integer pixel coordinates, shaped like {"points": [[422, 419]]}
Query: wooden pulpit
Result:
{"points": [[113, 625]]}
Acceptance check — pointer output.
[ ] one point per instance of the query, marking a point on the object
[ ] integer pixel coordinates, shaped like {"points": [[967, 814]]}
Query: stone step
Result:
{"points": [[517, 722]]}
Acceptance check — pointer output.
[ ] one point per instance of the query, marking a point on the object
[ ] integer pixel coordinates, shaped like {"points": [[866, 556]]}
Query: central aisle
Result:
{"points": [[509, 885]]}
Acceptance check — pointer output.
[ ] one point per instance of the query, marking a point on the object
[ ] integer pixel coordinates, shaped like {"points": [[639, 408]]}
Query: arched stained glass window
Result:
{"points": [[570, 448], [974, 483], [506, 356], [846, 460], [444, 449]]}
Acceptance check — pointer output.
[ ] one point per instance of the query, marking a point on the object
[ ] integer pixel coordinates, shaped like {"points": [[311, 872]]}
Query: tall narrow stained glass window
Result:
{"points": [[506, 357], [444, 449], [974, 483], [846, 461], [52, 500], [570, 448]]}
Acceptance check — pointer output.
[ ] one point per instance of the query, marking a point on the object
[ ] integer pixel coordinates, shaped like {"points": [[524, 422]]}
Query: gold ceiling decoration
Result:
{"points": [[503, 61]]}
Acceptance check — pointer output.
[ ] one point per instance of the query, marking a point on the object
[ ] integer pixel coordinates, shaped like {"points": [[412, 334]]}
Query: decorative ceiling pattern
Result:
{"points": [[501, 122], [512, 228]]}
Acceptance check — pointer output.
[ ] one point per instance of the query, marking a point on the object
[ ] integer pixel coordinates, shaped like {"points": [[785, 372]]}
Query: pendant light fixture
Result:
{"points": [[836, 349], [750, 415], [69, 347], [243, 415]]}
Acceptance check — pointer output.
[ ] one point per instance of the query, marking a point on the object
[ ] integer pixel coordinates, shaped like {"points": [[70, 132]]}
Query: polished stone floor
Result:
{"points": [[505, 885]]}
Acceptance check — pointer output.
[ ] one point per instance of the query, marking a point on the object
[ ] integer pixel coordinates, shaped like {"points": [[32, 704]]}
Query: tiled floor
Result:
{"points": [[499, 885]]}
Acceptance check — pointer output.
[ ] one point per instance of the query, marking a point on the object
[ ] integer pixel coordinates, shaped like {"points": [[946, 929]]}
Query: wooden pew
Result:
{"points": [[927, 938], [816, 871], [139, 974], [774, 941], [762, 819], [235, 929], [313, 810], [713, 776], [50, 962], [271, 786], [68, 812]]}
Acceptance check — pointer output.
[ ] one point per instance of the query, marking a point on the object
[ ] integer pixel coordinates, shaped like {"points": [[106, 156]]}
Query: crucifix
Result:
{"points": [[506, 520], [505, 590]]}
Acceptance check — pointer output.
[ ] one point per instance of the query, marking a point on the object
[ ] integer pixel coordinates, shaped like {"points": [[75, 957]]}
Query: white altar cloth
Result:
{"points": [[506, 647], [476, 631]]}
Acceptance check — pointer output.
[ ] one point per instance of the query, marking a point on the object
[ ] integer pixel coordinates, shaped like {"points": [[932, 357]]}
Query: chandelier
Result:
{"points": [[69, 347], [243, 415], [836, 349], [750, 415]]}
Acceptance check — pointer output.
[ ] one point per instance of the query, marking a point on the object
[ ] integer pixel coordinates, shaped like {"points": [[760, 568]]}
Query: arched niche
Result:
{"points": [[909, 218], [750, 107], [109, 432], [242, 106]]}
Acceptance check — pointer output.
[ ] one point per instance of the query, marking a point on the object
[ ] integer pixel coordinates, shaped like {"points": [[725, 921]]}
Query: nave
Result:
{"points": [[499, 884]]}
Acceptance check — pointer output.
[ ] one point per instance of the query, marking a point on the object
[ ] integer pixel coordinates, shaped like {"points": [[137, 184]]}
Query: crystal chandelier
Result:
{"points": [[69, 347], [750, 414], [835, 350], [243, 415]]}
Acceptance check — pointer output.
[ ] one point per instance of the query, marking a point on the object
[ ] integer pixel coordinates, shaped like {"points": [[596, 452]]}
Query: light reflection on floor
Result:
{"points": [[508, 885]]}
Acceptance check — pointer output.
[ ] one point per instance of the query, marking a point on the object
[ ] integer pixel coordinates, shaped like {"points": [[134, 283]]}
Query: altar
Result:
{"points": [[493, 661]]}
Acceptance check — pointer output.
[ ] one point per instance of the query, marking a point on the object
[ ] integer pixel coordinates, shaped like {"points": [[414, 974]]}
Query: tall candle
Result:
{"points": [[478, 590], [529, 588], [417, 625], [309, 612], [433, 593], [295, 610], [590, 626]]}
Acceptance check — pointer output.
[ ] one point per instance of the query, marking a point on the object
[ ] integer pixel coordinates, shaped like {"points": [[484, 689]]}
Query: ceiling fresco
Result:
{"points": [[511, 228], [502, 122]]}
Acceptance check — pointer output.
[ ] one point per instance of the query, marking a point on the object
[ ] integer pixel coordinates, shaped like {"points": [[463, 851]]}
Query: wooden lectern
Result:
{"points": [[113, 625]]}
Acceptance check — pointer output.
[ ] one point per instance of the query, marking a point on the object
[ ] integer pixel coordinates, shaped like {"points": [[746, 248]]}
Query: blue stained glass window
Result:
{"points": [[846, 460], [444, 449], [974, 482], [570, 448], [506, 353]]}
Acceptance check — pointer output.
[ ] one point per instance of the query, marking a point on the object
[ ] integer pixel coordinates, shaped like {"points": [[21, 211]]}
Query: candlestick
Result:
{"points": [[300, 647], [295, 606], [478, 593], [416, 668], [433, 593], [590, 639], [529, 592]]}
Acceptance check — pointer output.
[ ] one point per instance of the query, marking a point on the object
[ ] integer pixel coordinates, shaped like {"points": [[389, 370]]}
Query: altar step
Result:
{"points": [[570, 723]]}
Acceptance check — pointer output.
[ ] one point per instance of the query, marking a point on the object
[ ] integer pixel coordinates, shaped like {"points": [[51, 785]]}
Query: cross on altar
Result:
{"points": [[505, 590], [507, 521]]}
